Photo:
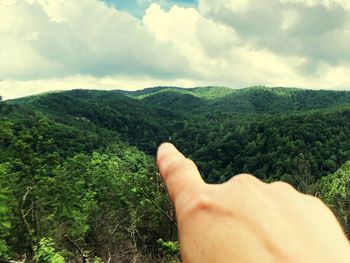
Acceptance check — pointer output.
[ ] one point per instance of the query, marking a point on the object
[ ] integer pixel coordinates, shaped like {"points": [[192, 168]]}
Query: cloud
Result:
{"points": [[235, 43], [273, 42], [44, 39], [316, 30], [215, 51]]}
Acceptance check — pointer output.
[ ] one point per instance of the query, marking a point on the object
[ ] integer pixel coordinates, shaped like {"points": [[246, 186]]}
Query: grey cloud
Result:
{"points": [[319, 34]]}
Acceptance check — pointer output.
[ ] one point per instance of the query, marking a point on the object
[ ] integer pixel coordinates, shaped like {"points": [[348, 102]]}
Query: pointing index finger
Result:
{"points": [[179, 173]]}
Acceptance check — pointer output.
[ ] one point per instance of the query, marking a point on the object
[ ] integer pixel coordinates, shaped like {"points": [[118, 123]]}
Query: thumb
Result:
{"points": [[179, 173]]}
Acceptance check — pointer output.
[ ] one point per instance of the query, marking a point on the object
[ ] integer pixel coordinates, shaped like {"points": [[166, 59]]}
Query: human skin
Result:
{"points": [[247, 220]]}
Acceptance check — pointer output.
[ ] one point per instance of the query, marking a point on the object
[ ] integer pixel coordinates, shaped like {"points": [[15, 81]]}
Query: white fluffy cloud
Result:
{"points": [[44, 39], [274, 42], [63, 44], [216, 51]]}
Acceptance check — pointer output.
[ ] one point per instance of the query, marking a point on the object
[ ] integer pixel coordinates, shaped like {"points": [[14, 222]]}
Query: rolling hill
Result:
{"points": [[76, 164]]}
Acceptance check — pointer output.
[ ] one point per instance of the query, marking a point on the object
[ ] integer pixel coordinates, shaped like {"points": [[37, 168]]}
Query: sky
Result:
{"points": [[50, 45]]}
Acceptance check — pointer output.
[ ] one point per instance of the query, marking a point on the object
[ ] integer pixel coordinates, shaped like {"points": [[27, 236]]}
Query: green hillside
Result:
{"points": [[134, 121], [263, 126], [200, 92], [79, 165], [254, 99]]}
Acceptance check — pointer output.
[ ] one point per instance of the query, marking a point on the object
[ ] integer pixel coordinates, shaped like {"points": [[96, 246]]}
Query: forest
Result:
{"points": [[78, 180]]}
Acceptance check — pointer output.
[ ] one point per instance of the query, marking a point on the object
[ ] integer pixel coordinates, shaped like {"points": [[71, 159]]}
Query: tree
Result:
{"points": [[29, 178], [334, 189], [46, 253], [5, 222]]}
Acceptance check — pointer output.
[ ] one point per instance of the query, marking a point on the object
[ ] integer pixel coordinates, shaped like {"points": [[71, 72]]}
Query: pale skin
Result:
{"points": [[246, 220]]}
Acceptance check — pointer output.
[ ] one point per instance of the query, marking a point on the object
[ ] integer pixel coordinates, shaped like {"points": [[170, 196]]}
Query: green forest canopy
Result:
{"points": [[77, 173]]}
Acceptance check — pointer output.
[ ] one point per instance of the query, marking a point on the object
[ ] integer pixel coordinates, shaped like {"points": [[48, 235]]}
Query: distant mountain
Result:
{"points": [[147, 117], [279, 100], [81, 162], [254, 99], [200, 92], [131, 118], [257, 99]]}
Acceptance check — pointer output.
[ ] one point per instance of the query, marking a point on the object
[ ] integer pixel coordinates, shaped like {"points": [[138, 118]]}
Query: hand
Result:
{"points": [[246, 220]]}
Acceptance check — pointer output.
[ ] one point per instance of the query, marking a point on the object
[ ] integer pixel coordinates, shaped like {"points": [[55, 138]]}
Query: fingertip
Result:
{"points": [[179, 173], [166, 150]]}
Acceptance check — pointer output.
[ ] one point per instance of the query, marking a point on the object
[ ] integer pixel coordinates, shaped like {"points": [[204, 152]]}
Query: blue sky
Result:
{"points": [[138, 7], [134, 44]]}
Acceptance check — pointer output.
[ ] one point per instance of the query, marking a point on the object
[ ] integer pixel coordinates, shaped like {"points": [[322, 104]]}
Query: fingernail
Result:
{"points": [[164, 147]]}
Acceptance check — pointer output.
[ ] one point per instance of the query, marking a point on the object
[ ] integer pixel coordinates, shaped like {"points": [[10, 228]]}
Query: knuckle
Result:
{"points": [[199, 203], [314, 200], [244, 179], [283, 186]]}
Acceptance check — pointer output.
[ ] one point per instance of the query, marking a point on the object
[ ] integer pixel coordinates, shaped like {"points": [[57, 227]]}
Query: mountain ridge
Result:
{"points": [[92, 152], [252, 99]]}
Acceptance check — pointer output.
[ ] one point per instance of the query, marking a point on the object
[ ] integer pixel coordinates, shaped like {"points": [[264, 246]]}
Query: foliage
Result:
{"points": [[5, 223], [97, 260], [334, 189], [106, 200], [298, 147], [202, 92], [46, 253], [170, 250], [76, 167]]}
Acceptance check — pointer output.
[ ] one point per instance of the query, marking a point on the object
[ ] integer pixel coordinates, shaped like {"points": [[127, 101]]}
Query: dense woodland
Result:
{"points": [[78, 181]]}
